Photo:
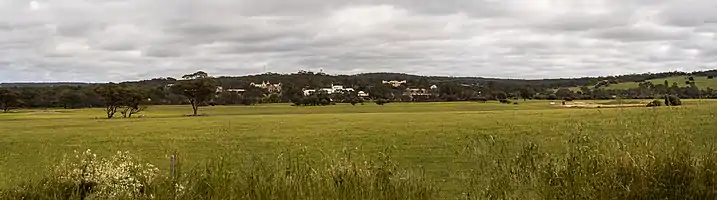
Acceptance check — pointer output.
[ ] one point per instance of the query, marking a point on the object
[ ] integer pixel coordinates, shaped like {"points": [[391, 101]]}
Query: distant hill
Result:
{"points": [[305, 78], [700, 81], [47, 84]]}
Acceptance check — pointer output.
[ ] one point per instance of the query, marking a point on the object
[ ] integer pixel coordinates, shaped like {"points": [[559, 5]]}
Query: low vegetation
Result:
{"points": [[381, 102], [672, 100], [655, 103]]}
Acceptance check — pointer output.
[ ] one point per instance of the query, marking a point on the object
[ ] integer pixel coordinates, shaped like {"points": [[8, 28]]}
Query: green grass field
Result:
{"points": [[429, 137], [700, 81]]}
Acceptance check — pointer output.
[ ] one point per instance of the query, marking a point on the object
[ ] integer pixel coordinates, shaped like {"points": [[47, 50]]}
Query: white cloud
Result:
{"points": [[113, 40]]}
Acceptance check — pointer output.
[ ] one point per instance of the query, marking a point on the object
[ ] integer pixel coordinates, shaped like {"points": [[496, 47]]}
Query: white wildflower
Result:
{"points": [[117, 177]]}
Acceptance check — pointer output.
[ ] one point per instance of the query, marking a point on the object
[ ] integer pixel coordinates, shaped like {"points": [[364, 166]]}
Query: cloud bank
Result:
{"points": [[114, 40]]}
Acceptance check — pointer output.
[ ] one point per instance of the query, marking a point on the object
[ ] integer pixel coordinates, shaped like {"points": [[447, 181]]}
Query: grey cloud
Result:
{"points": [[126, 46], [640, 34], [583, 22], [77, 29], [162, 52], [136, 39], [689, 13]]}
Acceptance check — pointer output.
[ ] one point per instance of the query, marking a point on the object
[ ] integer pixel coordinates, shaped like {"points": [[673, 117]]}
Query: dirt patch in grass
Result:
{"points": [[598, 105], [43, 112]]}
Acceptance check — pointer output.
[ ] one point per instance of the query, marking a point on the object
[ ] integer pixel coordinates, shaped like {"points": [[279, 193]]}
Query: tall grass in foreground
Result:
{"points": [[590, 170], [290, 176], [587, 170]]}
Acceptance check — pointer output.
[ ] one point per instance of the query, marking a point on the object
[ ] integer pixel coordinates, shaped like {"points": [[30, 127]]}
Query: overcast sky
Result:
{"points": [[114, 40]]}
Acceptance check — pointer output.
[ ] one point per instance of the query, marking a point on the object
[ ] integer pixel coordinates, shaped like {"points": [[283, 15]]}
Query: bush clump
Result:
{"points": [[381, 102], [479, 99], [354, 101], [655, 103], [313, 100], [85, 176], [672, 100], [505, 101]]}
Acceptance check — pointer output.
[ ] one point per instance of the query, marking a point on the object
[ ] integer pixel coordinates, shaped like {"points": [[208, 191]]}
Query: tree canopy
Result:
{"points": [[199, 88], [8, 100]]}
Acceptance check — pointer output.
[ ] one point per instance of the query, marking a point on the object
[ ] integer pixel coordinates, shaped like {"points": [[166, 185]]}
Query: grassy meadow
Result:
{"points": [[450, 145]]}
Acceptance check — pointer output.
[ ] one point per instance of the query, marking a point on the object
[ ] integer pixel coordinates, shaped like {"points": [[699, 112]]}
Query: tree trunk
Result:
{"points": [[124, 112], [194, 107], [111, 110]]}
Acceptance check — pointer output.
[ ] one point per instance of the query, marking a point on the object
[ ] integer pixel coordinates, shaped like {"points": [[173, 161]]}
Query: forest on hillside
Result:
{"points": [[157, 91]]}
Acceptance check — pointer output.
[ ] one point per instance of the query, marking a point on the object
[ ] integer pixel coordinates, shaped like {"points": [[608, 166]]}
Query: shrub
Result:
{"points": [[672, 100], [249, 101], [655, 103], [480, 99], [505, 101], [313, 100], [324, 102], [354, 101], [710, 77], [381, 101], [88, 177], [450, 97]]}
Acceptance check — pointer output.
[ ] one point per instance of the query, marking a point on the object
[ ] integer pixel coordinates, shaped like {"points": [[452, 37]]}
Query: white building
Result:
{"points": [[333, 89], [235, 90], [308, 92], [362, 94], [273, 88], [395, 83]]}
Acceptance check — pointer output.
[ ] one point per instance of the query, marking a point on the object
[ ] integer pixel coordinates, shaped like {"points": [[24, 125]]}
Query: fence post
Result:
{"points": [[172, 165]]}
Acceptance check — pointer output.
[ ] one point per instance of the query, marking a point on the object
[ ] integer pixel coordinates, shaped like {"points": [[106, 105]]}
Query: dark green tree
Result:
{"points": [[564, 93], [672, 100], [229, 98], [112, 97], [72, 99], [199, 88], [527, 93], [133, 102], [8, 100]]}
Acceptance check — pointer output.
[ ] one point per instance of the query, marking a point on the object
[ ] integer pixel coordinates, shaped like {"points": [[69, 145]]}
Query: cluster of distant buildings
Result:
{"points": [[333, 89], [337, 89], [272, 88]]}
